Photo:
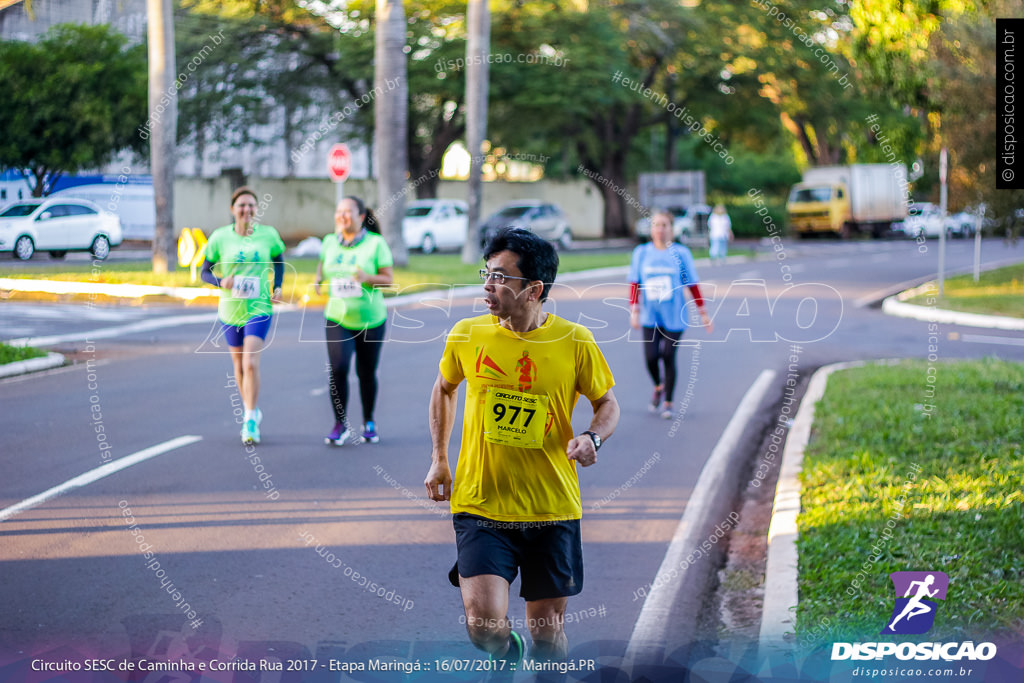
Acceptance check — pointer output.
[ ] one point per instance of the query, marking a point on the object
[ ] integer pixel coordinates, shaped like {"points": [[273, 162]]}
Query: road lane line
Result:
{"points": [[98, 473], [650, 631], [108, 332], [991, 339]]}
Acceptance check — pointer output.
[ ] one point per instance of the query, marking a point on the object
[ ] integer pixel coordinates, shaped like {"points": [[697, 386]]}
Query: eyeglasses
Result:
{"points": [[498, 278]]}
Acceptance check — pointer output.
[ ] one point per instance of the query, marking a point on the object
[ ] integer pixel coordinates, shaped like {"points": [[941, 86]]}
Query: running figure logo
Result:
{"points": [[527, 372], [913, 612]]}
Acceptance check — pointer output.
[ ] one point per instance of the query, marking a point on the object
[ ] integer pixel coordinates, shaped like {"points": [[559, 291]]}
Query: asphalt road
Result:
{"points": [[243, 557]]}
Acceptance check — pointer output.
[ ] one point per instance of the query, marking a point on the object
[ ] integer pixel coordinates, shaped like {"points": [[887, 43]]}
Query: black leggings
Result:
{"points": [[660, 349], [366, 344]]}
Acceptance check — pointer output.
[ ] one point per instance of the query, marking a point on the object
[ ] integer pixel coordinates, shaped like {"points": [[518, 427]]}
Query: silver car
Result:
{"points": [[543, 218], [58, 225]]}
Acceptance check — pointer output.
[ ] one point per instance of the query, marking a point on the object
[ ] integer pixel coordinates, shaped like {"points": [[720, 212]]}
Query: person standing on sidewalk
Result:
{"points": [[659, 272], [515, 498], [355, 262], [719, 234], [245, 251]]}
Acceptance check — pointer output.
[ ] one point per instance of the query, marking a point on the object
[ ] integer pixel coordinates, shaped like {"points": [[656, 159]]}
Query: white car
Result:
{"points": [[961, 224], [432, 224], [923, 220], [58, 225]]}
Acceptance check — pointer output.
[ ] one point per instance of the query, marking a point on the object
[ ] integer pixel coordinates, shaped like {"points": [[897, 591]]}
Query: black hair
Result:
{"points": [[538, 260], [369, 218]]}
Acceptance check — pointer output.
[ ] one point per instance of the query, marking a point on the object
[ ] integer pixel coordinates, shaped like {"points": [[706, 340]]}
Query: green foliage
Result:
{"points": [[904, 472], [12, 354], [71, 101]]}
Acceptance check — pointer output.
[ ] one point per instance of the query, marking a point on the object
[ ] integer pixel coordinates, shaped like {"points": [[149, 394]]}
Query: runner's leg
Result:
{"points": [[668, 341], [340, 347], [368, 345], [485, 598], [546, 619], [650, 342], [250, 358]]}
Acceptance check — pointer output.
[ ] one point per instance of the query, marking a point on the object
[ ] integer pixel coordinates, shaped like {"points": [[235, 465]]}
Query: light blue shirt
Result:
{"points": [[663, 276]]}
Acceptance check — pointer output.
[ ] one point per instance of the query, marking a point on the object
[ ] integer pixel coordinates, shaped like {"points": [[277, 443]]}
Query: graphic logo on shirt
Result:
{"points": [[241, 256], [487, 366], [527, 372], [913, 613]]}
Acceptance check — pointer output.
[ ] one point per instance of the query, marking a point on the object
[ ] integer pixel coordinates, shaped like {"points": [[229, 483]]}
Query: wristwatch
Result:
{"points": [[596, 438]]}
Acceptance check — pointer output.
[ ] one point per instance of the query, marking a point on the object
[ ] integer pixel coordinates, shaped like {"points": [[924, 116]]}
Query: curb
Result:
{"points": [[679, 585], [897, 306], [21, 367], [780, 588]]}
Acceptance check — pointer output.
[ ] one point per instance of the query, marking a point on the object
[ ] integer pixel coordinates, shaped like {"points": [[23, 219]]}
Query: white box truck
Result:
{"points": [[843, 200]]}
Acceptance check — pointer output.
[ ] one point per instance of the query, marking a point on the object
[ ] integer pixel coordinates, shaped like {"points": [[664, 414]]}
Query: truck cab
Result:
{"points": [[815, 208]]}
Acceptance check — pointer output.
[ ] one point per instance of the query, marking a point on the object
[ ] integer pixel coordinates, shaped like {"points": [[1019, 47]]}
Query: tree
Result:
{"points": [[72, 101], [391, 106], [162, 128]]}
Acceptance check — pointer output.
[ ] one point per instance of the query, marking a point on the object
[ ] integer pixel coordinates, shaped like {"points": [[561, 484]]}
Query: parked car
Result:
{"points": [[923, 219], [58, 225], [961, 224], [542, 218], [687, 222], [432, 224]]}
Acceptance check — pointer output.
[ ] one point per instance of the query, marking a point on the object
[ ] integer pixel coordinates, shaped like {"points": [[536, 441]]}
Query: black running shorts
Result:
{"points": [[549, 554]]}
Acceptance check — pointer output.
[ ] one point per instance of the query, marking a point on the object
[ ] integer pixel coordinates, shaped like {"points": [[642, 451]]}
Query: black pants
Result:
{"points": [[342, 344], [660, 349]]}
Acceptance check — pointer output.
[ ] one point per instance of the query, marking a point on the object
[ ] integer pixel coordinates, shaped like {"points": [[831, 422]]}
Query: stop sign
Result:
{"points": [[339, 162]]}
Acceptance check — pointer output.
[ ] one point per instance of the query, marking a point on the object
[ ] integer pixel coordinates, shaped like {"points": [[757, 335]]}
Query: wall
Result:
{"points": [[302, 207]]}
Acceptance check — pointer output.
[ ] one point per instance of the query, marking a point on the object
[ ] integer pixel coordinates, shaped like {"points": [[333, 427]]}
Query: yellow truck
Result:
{"points": [[843, 200]]}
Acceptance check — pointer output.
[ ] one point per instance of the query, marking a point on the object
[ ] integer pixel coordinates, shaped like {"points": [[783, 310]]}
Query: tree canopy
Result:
{"points": [[71, 101]]}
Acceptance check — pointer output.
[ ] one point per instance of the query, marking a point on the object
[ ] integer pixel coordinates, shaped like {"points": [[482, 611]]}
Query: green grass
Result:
{"points": [[997, 292], [12, 354], [963, 509]]}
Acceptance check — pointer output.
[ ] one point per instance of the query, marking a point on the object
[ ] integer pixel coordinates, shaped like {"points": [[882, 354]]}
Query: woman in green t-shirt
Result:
{"points": [[355, 262], [243, 253]]}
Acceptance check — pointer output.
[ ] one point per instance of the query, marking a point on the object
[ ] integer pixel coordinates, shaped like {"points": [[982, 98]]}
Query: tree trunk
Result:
{"points": [[163, 112], [478, 46], [391, 109]]}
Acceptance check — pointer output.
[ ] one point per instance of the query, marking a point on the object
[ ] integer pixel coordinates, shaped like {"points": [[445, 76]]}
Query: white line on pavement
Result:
{"points": [[98, 473], [649, 632], [991, 339], [108, 332]]}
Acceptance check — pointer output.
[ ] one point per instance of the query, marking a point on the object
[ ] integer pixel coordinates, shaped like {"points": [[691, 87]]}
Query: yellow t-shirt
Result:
{"points": [[521, 391]]}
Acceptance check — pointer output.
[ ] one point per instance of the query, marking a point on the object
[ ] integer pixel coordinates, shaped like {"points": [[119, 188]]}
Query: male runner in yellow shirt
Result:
{"points": [[515, 499]]}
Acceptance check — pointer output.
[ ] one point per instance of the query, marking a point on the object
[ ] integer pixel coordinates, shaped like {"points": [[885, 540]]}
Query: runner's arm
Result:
{"points": [[606, 418], [699, 300], [278, 271], [442, 418], [206, 274]]}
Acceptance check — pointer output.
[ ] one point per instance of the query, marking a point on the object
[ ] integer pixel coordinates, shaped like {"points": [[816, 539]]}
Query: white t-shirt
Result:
{"points": [[719, 226]]}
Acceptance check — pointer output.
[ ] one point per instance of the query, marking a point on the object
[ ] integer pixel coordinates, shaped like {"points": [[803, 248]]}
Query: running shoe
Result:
{"points": [[666, 410], [655, 400], [257, 415], [338, 436], [513, 656], [250, 432], [370, 432]]}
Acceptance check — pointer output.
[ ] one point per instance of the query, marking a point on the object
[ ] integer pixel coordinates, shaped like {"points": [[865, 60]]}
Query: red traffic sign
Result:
{"points": [[339, 162]]}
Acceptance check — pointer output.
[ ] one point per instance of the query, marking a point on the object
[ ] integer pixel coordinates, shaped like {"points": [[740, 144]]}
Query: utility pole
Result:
{"points": [[478, 47], [163, 128]]}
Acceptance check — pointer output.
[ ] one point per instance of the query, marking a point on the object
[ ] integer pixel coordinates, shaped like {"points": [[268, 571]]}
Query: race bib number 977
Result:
{"points": [[515, 418]]}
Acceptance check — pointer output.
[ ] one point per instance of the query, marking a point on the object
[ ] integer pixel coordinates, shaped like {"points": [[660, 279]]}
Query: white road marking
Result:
{"points": [[749, 275], [991, 339], [108, 332], [649, 632], [98, 473]]}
